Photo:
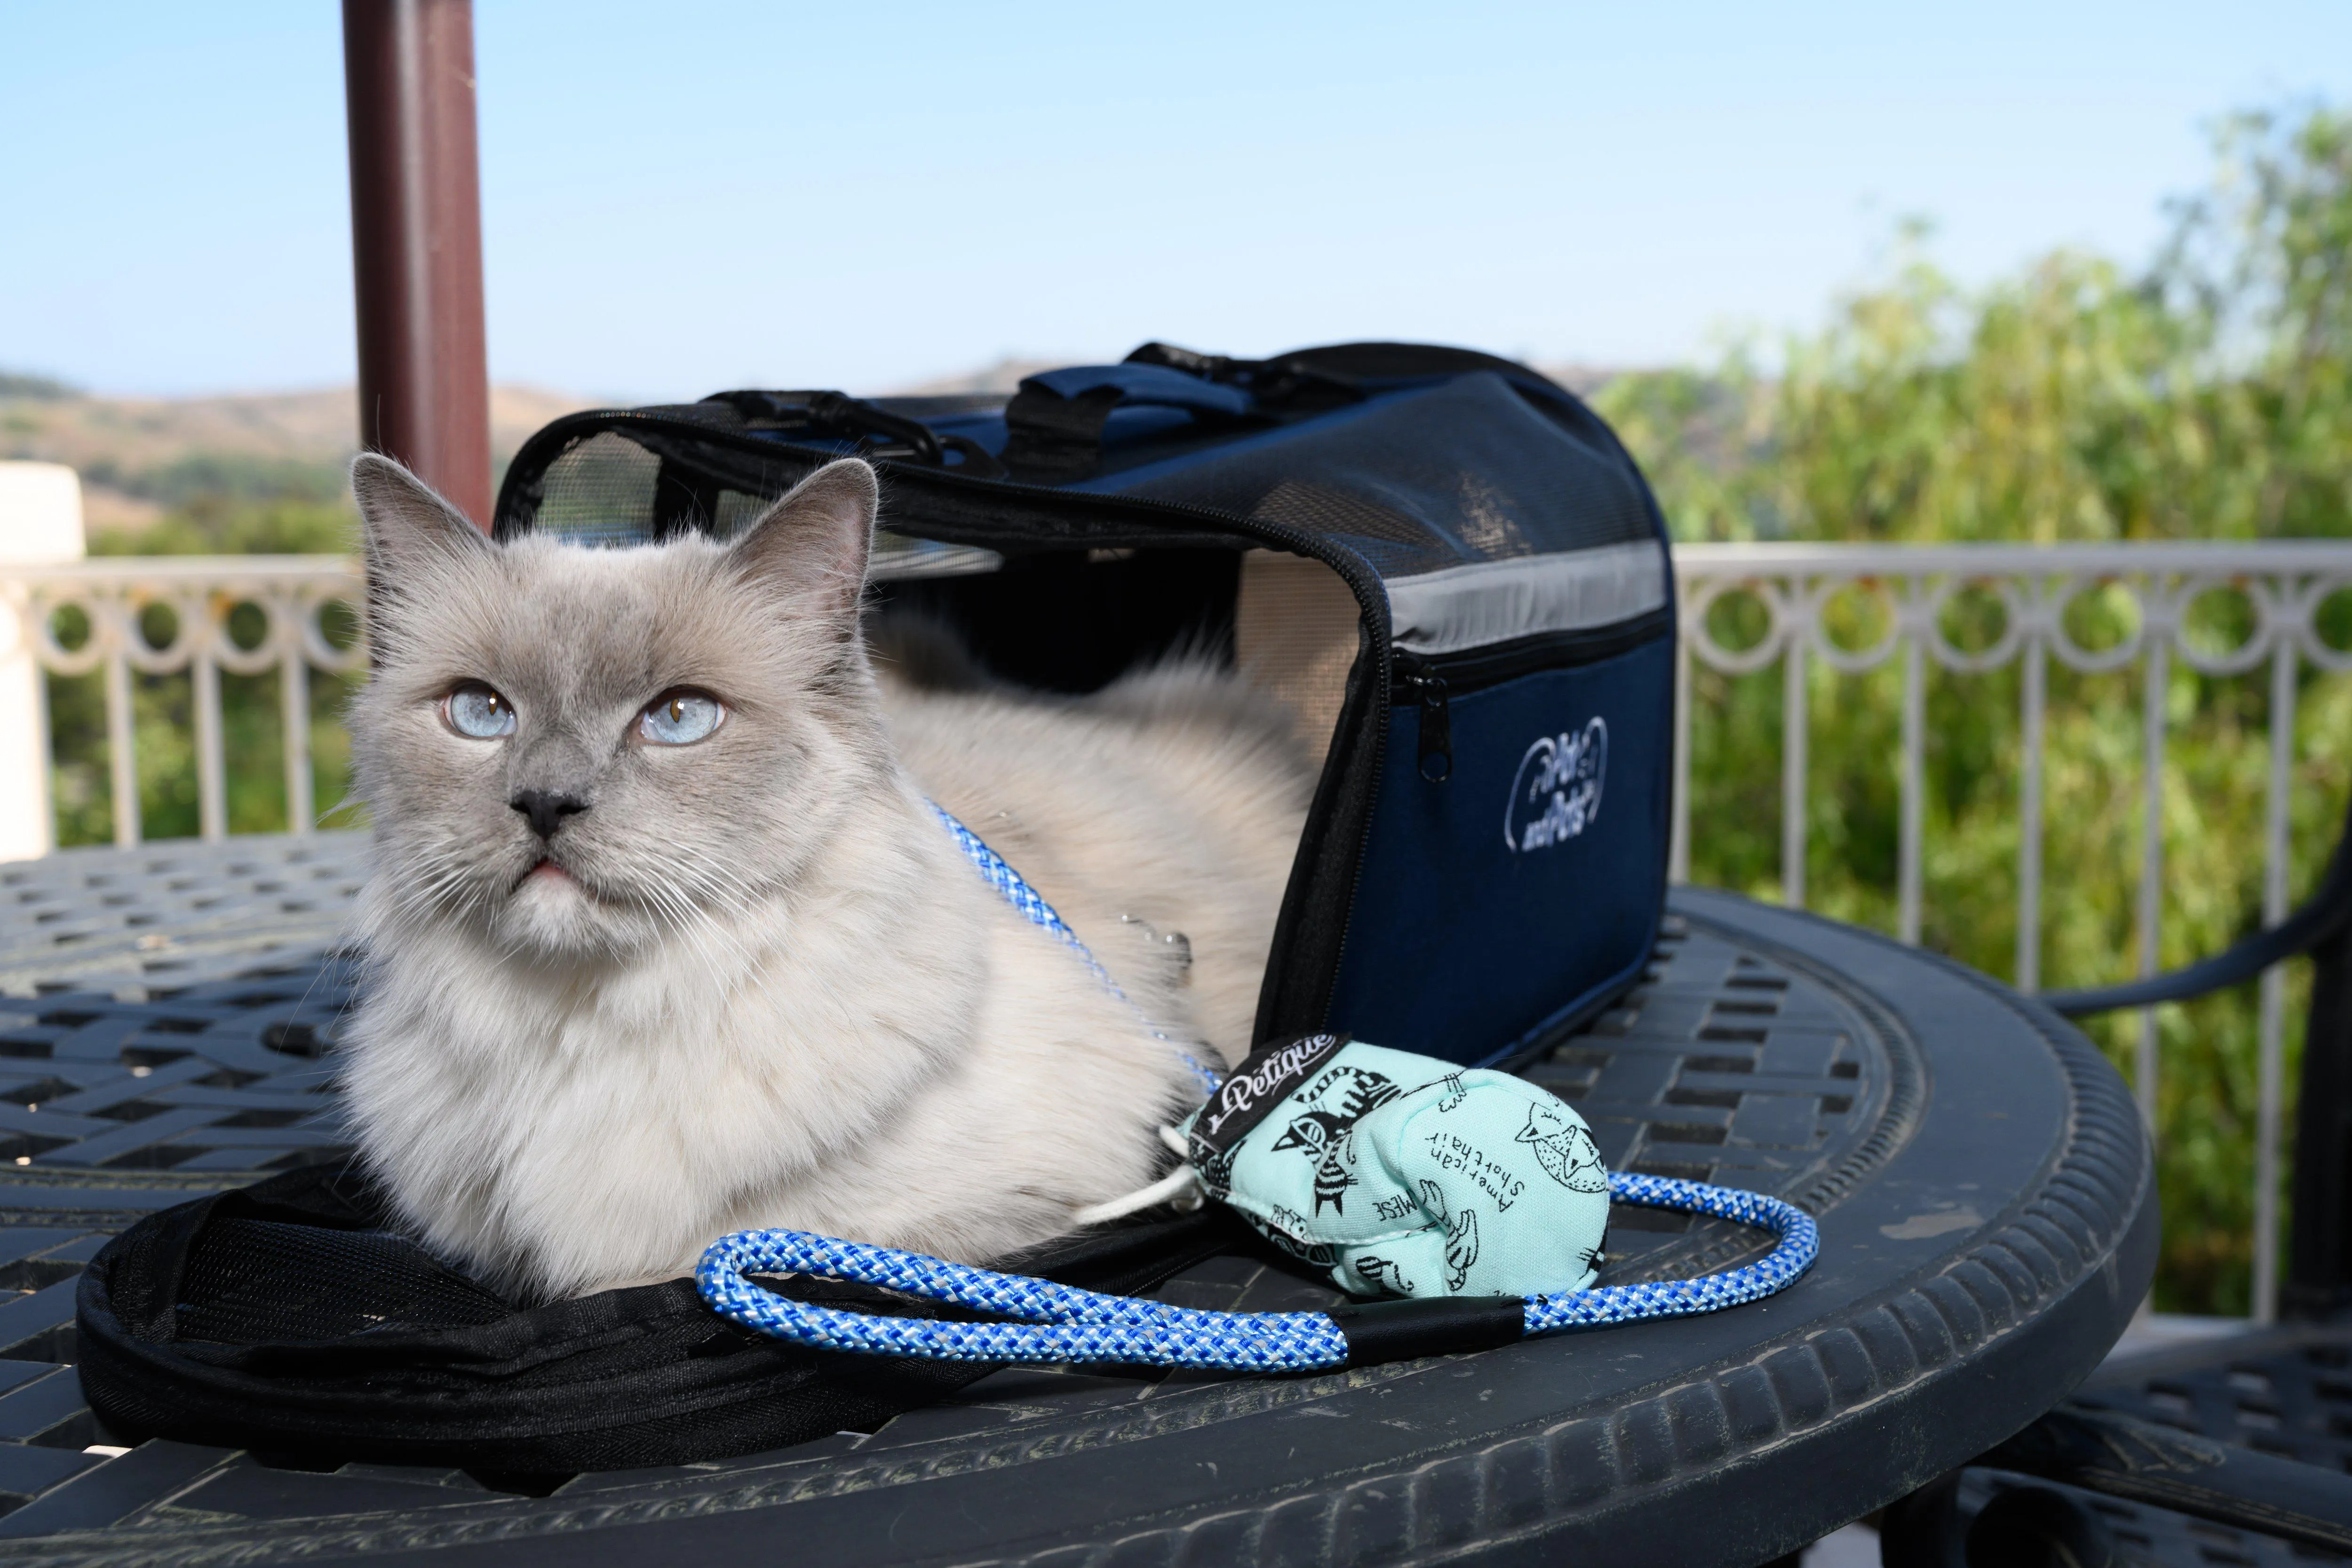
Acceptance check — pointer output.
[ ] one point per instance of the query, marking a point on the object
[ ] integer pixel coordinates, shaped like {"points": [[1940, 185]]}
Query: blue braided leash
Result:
{"points": [[1060, 1323], [1034, 907], [1019, 894]]}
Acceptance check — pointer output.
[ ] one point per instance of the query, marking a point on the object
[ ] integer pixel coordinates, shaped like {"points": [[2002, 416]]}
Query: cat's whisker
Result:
{"points": [[732, 894], [428, 894], [418, 904], [697, 926], [450, 873], [725, 879], [706, 928], [668, 914]]}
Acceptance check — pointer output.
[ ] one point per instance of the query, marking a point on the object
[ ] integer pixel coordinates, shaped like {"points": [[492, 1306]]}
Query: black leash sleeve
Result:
{"points": [[1438, 1325]]}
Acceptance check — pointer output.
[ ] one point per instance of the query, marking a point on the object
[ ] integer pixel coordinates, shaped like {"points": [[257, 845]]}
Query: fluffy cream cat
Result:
{"points": [[665, 942]]}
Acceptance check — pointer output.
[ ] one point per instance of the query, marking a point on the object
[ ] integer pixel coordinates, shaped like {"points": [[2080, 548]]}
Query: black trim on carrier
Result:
{"points": [[944, 487], [996, 514]]}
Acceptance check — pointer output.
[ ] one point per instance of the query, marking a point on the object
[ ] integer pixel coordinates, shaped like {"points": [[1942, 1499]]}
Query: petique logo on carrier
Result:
{"points": [[1556, 793]]}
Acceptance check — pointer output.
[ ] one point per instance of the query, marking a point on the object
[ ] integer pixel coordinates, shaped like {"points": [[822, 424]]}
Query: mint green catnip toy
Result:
{"points": [[1404, 1175]]}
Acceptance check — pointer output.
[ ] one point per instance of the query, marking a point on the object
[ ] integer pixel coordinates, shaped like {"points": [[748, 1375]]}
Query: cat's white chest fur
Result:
{"points": [[916, 1066]]}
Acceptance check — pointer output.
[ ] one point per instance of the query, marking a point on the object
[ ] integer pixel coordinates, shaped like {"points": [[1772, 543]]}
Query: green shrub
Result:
{"points": [[2209, 398]]}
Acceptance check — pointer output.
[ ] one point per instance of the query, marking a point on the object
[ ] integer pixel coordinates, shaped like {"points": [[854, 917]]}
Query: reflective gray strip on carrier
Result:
{"points": [[1457, 608]]}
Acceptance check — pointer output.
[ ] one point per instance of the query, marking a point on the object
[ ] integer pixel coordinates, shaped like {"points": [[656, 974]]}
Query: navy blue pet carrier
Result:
{"points": [[1444, 563]]}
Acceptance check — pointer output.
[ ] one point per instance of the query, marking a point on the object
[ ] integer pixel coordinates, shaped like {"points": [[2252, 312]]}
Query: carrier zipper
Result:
{"points": [[1434, 757], [1435, 681], [1491, 666]]}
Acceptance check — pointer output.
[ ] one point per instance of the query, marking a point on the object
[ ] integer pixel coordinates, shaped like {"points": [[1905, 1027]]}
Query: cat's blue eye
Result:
{"points": [[475, 710], [680, 718]]}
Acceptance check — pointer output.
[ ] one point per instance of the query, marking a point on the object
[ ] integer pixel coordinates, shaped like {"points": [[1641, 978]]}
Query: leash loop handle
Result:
{"points": [[1055, 1324]]}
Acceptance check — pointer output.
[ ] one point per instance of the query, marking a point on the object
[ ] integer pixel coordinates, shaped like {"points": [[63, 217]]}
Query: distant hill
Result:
{"points": [[140, 457], [1005, 376]]}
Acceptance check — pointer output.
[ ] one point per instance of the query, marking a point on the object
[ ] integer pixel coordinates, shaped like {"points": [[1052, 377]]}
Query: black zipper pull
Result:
{"points": [[1436, 750]]}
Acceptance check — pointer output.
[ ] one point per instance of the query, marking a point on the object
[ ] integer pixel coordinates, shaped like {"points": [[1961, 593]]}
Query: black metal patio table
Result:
{"points": [[1983, 1188]]}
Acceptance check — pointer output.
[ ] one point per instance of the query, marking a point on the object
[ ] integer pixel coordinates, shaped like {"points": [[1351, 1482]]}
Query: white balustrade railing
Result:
{"points": [[201, 593], [2283, 582]]}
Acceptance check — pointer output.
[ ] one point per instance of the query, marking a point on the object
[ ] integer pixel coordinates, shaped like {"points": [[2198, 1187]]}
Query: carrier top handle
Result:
{"points": [[1055, 423]]}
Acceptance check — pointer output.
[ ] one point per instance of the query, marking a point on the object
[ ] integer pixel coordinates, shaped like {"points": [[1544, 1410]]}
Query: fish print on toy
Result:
{"points": [[1404, 1175]]}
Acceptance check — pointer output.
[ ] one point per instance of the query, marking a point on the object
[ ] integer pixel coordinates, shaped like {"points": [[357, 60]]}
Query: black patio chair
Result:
{"points": [[2237, 1449]]}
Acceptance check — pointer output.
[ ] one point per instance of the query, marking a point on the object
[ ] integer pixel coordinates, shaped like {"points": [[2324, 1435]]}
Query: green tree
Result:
{"points": [[2207, 397]]}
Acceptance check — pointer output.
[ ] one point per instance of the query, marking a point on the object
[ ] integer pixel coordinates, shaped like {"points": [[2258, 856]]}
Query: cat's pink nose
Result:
{"points": [[547, 809]]}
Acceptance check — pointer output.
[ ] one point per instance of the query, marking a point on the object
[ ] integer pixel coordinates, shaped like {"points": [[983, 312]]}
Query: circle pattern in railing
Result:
{"points": [[2283, 608], [191, 620]]}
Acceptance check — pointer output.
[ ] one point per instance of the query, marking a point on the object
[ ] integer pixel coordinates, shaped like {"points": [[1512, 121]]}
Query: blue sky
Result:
{"points": [[701, 194]]}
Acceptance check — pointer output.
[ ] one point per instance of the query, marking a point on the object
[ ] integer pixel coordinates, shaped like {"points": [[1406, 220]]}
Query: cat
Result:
{"points": [[662, 940]]}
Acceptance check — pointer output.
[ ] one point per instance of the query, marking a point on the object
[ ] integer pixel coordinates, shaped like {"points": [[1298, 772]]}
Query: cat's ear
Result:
{"points": [[811, 547], [407, 530]]}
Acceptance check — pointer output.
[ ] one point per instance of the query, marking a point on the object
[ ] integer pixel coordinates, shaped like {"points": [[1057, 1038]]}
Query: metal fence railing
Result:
{"points": [[2283, 584], [1912, 590], [102, 606]]}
